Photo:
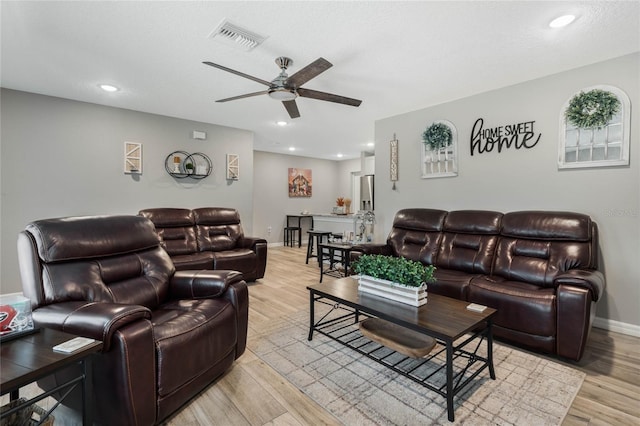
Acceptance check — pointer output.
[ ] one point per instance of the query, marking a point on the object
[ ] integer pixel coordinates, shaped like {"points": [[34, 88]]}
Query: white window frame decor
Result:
{"points": [[443, 161], [133, 158], [233, 167], [591, 135]]}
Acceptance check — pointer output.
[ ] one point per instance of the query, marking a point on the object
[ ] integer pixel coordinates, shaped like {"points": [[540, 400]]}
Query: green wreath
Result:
{"points": [[437, 136], [592, 109]]}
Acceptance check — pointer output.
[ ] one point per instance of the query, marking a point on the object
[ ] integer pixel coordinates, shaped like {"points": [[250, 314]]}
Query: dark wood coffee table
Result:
{"points": [[458, 331]]}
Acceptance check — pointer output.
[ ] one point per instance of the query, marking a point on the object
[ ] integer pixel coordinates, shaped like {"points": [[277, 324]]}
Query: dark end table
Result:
{"points": [[31, 358]]}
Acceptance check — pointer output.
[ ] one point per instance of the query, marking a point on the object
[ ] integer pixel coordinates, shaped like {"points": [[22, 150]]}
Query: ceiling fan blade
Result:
{"points": [[292, 108], [316, 67], [241, 74], [323, 96], [248, 95]]}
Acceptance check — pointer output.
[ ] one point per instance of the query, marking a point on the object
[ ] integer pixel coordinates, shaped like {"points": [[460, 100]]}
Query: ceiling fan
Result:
{"points": [[287, 89]]}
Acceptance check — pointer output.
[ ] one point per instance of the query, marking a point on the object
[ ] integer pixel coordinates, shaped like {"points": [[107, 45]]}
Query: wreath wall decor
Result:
{"points": [[592, 109], [594, 128], [439, 150], [437, 135]]}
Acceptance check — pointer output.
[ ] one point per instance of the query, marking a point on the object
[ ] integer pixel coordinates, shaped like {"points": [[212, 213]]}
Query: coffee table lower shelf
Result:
{"points": [[447, 370]]}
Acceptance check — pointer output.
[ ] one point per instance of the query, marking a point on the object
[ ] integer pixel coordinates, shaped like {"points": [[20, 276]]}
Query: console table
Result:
{"points": [[31, 358]]}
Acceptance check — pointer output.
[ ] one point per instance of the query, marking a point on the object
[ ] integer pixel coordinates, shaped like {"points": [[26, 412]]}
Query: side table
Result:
{"points": [[334, 253], [30, 358]]}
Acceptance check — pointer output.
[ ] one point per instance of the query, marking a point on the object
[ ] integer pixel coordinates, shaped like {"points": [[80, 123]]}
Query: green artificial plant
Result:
{"points": [[437, 136], [396, 269], [592, 109]]}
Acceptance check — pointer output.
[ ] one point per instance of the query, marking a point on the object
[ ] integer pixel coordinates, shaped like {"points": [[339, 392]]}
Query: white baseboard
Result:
{"points": [[617, 326], [281, 244]]}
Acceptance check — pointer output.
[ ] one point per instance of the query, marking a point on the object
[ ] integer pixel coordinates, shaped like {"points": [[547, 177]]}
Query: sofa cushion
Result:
{"points": [[469, 241], [218, 228], [416, 234], [451, 283], [521, 306], [64, 239], [175, 228], [546, 225], [207, 328], [536, 246]]}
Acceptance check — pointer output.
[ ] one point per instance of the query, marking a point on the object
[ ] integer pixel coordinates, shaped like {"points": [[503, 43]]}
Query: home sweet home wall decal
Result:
{"points": [[519, 135]]}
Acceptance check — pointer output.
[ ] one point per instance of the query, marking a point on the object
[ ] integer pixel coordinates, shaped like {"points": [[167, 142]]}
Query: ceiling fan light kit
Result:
{"points": [[282, 94], [287, 89]]}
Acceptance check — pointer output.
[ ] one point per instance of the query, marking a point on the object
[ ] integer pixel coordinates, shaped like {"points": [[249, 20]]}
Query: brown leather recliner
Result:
{"points": [[166, 335]]}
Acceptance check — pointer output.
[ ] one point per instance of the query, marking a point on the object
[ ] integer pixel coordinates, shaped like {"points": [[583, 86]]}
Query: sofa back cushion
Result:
{"points": [[416, 234], [535, 246], [99, 259], [176, 228], [469, 241], [217, 228]]}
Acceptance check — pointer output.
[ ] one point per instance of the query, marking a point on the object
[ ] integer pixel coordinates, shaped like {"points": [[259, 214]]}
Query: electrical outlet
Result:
{"points": [[268, 230]]}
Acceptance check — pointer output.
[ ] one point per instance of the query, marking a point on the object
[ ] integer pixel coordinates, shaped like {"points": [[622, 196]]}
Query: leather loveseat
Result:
{"points": [[166, 335], [209, 238], [538, 269]]}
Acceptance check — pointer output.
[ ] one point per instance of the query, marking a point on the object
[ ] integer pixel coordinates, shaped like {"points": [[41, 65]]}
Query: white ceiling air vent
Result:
{"points": [[236, 36]]}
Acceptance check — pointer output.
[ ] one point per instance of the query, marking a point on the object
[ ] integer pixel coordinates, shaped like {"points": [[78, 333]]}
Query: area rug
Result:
{"points": [[529, 389]]}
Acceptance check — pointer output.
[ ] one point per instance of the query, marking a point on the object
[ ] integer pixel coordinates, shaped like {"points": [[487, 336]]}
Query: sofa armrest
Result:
{"points": [[259, 246], [238, 295], [360, 249], [383, 249], [590, 279], [90, 319], [252, 242], [202, 284]]}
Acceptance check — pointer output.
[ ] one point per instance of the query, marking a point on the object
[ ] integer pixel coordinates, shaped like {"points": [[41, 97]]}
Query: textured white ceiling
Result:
{"points": [[394, 56]]}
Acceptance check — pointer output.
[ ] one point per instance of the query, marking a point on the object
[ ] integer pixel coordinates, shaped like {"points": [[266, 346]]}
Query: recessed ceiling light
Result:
{"points": [[371, 144], [108, 88], [562, 21], [339, 156], [292, 148], [281, 123]]}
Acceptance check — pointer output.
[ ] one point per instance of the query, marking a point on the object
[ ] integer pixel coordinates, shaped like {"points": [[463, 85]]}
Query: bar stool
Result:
{"points": [[292, 234], [319, 235]]}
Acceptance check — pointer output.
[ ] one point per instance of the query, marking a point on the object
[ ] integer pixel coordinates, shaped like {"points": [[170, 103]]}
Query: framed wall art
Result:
{"points": [[440, 150], [300, 182], [594, 129], [133, 158], [233, 166]]}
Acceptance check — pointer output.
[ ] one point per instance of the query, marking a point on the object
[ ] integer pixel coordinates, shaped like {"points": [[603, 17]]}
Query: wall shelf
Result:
{"points": [[177, 165]]}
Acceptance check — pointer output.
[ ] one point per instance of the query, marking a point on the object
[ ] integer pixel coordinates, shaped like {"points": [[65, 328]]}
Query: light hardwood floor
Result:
{"points": [[252, 393]]}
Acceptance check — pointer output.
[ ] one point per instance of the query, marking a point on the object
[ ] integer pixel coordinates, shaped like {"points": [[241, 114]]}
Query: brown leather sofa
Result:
{"points": [[166, 335], [209, 238], [538, 269]]}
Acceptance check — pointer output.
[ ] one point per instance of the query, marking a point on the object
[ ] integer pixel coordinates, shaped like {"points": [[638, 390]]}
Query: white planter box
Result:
{"points": [[414, 296]]}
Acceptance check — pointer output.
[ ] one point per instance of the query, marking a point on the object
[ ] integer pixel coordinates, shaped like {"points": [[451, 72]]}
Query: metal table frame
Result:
{"points": [[341, 329]]}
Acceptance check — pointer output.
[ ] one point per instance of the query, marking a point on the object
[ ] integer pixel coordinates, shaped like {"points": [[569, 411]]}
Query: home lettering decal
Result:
{"points": [[519, 135]]}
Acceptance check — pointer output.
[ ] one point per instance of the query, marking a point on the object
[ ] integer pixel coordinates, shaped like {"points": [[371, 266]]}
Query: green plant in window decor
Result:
{"points": [[592, 109], [189, 167], [437, 136], [396, 269]]}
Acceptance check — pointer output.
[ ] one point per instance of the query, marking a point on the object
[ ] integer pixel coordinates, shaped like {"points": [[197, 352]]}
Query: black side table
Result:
{"points": [[30, 358], [334, 253]]}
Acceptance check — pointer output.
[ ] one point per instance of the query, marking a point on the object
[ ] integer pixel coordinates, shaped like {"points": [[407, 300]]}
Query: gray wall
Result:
{"points": [[65, 158], [529, 178], [271, 196]]}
